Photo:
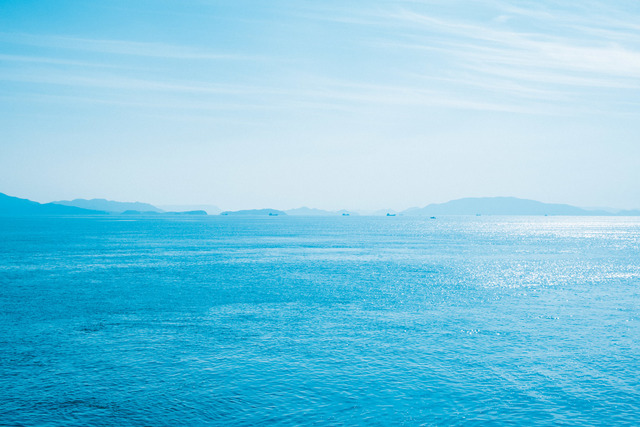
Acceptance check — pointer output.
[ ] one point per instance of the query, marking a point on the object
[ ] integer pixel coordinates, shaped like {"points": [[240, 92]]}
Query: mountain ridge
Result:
{"points": [[15, 206], [10, 205], [209, 209], [109, 205], [501, 206]]}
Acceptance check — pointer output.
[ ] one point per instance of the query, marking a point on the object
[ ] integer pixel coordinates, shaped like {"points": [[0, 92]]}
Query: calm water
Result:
{"points": [[329, 321]]}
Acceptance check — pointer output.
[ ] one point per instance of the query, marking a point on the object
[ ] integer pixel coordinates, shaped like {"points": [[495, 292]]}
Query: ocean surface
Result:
{"points": [[326, 321]]}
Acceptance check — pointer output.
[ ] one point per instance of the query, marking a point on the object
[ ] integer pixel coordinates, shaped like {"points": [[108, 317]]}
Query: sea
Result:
{"points": [[376, 321]]}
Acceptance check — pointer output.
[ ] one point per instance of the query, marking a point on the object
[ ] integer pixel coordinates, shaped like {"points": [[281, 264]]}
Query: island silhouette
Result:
{"points": [[15, 206]]}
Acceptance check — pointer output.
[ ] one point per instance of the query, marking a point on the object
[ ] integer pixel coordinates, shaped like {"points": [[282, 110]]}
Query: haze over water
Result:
{"points": [[347, 320]]}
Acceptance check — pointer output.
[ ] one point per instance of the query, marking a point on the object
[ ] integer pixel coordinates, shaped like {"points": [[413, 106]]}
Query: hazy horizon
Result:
{"points": [[365, 106]]}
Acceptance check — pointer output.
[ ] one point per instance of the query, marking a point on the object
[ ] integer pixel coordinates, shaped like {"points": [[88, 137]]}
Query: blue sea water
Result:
{"points": [[326, 321]]}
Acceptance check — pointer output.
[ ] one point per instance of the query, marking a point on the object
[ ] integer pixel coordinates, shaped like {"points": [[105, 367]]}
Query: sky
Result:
{"points": [[376, 104]]}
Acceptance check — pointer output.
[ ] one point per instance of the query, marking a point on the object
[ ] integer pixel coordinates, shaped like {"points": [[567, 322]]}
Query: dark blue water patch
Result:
{"points": [[329, 321]]}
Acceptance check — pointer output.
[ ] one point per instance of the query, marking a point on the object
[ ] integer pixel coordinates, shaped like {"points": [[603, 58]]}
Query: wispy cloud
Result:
{"points": [[528, 62], [532, 49], [519, 50], [114, 81], [54, 61], [120, 47], [486, 61], [319, 94]]}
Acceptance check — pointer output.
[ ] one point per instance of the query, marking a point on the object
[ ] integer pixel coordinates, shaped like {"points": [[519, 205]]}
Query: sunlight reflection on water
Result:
{"points": [[320, 320]]}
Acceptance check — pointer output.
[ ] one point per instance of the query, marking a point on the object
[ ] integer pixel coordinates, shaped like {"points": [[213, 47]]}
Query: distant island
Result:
{"points": [[14, 206], [209, 209], [506, 206], [109, 205]]}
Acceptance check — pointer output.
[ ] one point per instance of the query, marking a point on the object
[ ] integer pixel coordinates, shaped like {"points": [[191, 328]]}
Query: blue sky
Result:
{"points": [[332, 104]]}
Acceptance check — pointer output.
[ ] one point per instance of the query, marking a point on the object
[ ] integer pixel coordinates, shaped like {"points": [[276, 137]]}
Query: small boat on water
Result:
{"points": [[390, 214]]}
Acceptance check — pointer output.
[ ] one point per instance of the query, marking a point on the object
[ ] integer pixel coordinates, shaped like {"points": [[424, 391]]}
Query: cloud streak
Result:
{"points": [[463, 62], [570, 53], [120, 47], [531, 49]]}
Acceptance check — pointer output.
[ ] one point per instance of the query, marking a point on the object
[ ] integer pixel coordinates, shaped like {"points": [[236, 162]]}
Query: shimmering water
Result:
{"points": [[329, 321]]}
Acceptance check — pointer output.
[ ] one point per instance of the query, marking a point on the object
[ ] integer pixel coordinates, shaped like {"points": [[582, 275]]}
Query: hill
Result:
{"points": [[499, 206], [14, 206], [209, 209], [109, 205]]}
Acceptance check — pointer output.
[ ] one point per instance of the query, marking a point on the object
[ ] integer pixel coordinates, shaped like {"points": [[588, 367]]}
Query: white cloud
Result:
{"points": [[118, 47]]}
